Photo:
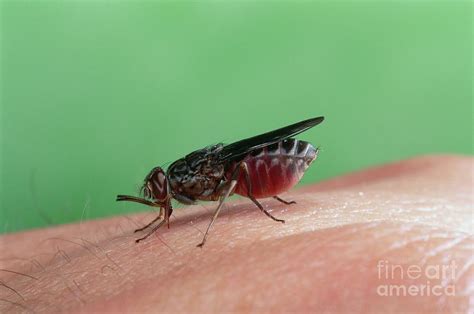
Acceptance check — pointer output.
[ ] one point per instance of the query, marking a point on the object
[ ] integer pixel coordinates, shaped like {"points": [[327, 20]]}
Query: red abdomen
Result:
{"points": [[275, 168]]}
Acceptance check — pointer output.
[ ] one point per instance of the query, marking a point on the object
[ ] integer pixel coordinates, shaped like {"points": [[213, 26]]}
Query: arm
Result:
{"points": [[339, 245]]}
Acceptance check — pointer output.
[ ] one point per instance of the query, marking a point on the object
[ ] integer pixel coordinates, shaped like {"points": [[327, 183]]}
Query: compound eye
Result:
{"points": [[161, 178], [159, 186]]}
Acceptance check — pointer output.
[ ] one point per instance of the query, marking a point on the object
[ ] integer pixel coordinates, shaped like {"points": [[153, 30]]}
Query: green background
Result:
{"points": [[95, 93]]}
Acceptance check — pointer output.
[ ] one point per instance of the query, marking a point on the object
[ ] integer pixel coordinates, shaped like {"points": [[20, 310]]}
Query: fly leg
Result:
{"points": [[168, 210], [248, 183], [283, 201], [152, 230], [145, 202], [152, 222], [230, 188], [228, 191]]}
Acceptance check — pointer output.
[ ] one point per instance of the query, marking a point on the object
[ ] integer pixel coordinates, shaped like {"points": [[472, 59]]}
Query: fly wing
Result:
{"points": [[200, 155], [238, 149]]}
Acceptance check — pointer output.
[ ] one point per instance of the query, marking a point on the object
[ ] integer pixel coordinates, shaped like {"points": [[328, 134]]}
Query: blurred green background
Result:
{"points": [[96, 93]]}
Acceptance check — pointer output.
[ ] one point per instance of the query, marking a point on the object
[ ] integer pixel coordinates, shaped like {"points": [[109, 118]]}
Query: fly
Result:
{"points": [[257, 167]]}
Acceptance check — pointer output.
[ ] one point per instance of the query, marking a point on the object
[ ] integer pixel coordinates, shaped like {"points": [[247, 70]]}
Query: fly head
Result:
{"points": [[156, 186]]}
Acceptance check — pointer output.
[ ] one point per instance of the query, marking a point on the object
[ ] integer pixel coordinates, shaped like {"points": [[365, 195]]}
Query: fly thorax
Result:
{"points": [[197, 180]]}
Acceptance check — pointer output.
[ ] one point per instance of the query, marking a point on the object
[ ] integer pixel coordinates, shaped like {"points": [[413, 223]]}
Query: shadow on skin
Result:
{"points": [[343, 240]]}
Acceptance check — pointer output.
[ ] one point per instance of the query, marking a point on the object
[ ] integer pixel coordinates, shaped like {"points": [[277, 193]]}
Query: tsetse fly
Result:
{"points": [[257, 167]]}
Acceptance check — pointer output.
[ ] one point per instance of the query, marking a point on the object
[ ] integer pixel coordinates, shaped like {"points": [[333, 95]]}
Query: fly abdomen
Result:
{"points": [[276, 168]]}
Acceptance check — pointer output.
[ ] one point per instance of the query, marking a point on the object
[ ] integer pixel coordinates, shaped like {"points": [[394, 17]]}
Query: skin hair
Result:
{"points": [[331, 254]]}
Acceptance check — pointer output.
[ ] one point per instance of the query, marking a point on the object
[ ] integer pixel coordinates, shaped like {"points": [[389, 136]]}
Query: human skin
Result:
{"points": [[329, 256]]}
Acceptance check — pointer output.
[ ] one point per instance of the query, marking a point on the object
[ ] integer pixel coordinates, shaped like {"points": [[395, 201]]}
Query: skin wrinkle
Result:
{"points": [[18, 273], [447, 245], [12, 290], [15, 304], [324, 257]]}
